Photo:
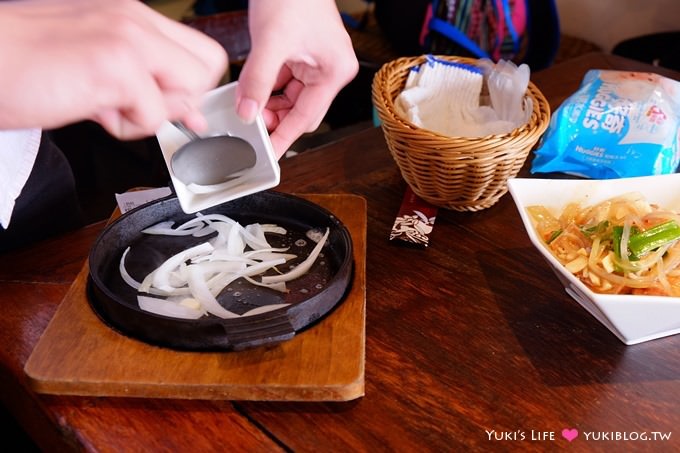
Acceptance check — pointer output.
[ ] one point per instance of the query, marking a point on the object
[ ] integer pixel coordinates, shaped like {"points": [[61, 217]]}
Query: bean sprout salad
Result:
{"points": [[623, 245]]}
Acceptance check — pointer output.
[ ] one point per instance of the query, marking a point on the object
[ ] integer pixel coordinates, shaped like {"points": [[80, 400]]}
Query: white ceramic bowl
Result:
{"points": [[219, 109], [633, 319]]}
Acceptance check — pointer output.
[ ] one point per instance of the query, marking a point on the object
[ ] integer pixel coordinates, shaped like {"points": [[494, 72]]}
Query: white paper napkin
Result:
{"points": [[130, 200], [18, 150], [445, 97], [442, 97]]}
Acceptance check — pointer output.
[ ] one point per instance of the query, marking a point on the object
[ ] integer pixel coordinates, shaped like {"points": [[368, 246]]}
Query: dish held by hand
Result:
{"points": [[253, 166]]}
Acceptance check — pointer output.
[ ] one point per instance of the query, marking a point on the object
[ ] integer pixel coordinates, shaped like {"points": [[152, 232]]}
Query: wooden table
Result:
{"points": [[471, 344]]}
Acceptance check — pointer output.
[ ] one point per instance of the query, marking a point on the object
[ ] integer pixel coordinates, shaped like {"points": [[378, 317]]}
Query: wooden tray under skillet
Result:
{"points": [[78, 354]]}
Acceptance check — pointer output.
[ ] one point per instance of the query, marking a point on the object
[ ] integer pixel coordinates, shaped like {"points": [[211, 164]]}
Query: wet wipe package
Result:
{"points": [[617, 124]]}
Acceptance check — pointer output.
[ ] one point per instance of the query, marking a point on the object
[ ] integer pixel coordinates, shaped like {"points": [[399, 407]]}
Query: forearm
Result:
{"points": [[119, 63]]}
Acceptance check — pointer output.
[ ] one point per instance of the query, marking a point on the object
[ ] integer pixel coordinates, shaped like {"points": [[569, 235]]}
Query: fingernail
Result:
{"points": [[248, 110]]}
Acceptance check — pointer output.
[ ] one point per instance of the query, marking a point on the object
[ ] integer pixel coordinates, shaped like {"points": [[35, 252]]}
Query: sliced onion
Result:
{"points": [[199, 288], [272, 228], [269, 254], [262, 267], [235, 244], [223, 230], [168, 308], [199, 273], [277, 286], [258, 240], [211, 217], [165, 229], [263, 309], [127, 278], [215, 267], [220, 281], [160, 228], [161, 277], [301, 268], [205, 231]]}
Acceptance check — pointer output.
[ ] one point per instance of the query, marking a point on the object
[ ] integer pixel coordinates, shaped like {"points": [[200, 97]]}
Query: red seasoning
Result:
{"points": [[415, 220]]}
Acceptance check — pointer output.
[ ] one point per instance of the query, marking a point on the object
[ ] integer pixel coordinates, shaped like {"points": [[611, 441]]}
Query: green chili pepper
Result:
{"points": [[652, 238], [617, 232], [554, 236], [596, 229]]}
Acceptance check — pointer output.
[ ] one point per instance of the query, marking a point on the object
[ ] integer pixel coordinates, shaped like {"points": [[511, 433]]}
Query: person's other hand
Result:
{"points": [[118, 63], [301, 57]]}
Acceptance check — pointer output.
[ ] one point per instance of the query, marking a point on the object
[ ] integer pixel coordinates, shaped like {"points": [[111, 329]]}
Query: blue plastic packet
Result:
{"points": [[618, 124]]}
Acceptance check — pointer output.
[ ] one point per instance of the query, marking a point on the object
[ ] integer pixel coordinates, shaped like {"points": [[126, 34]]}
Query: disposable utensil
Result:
{"points": [[508, 84], [208, 161], [185, 130]]}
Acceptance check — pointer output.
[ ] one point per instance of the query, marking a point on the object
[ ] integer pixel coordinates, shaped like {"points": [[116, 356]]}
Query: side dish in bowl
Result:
{"points": [[615, 246]]}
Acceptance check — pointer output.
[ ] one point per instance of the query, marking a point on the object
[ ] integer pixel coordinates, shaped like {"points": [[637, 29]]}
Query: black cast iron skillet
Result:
{"points": [[310, 297]]}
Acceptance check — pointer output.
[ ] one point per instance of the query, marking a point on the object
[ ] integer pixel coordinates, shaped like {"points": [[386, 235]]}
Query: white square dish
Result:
{"points": [[219, 110], [632, 318]]}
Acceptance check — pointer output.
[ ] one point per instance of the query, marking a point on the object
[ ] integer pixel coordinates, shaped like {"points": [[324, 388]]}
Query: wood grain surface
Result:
{"points": [[471, 343]]}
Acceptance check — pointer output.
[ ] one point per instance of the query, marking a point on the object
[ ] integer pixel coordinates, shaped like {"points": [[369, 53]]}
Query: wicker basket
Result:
{"points": [[462, 174]]}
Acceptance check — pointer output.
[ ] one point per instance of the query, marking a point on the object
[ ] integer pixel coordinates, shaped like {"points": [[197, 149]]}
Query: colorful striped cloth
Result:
{"points": [[492, 29]]}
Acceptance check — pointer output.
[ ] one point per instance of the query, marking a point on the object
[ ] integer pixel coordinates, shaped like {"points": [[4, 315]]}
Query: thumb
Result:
{"points": [[256, 83]]}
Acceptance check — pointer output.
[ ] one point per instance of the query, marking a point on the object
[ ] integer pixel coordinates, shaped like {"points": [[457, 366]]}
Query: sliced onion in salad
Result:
{"points": [[187, 284]]}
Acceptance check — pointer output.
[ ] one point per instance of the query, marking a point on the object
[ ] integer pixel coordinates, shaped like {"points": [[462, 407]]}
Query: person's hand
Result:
{"points": [[118, 63], [301, 53]]}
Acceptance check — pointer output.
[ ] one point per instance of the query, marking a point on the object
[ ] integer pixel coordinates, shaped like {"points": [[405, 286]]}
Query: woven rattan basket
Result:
{"points": [[462, 174]]}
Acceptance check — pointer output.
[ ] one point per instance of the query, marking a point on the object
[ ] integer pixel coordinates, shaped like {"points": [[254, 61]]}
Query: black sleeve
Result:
{"points": [[48, 203]]}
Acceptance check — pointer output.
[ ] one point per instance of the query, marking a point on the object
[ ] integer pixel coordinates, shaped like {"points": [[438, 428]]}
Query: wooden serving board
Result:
{"points": [[79, 355]]}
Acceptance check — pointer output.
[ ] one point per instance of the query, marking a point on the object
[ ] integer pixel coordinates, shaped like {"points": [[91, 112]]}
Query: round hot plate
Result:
{"points": [[308, 297]]}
